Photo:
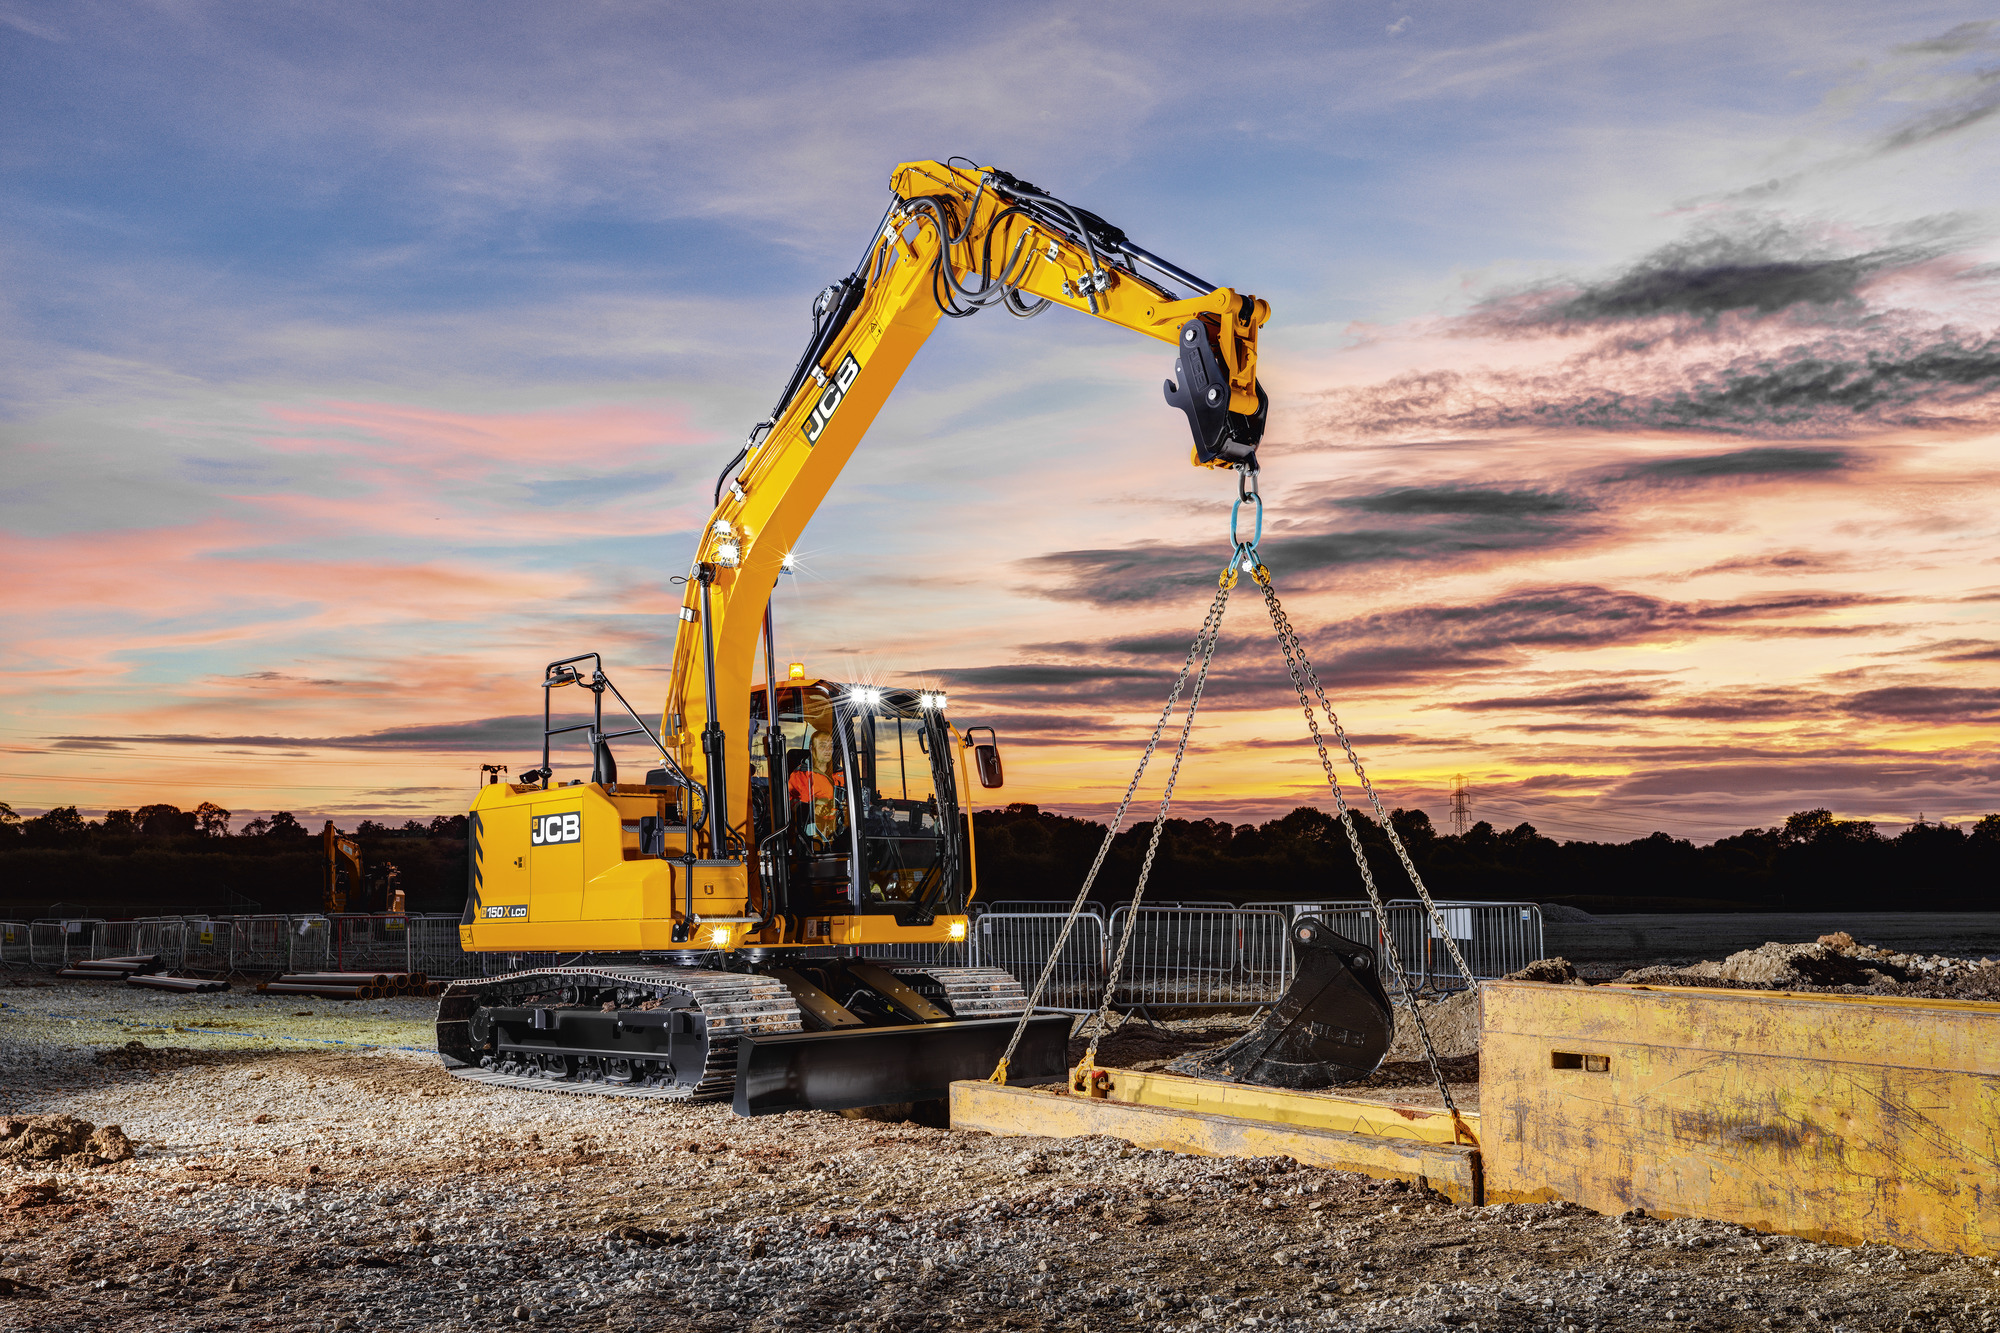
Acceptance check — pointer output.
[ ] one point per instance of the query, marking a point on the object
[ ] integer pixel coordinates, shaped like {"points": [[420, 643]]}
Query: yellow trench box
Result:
{"points": [[1853, 1119]]}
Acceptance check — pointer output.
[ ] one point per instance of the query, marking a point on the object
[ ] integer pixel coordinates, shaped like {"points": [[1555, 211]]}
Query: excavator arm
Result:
{"points": [[954, 240]]}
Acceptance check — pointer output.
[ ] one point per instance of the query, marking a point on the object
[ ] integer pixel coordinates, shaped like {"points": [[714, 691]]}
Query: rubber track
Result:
{"points": [[733, 1003]]}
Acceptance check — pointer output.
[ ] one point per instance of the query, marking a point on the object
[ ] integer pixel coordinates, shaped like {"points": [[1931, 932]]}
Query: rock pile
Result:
{"points": [[61, 1140], [1837, 963]]}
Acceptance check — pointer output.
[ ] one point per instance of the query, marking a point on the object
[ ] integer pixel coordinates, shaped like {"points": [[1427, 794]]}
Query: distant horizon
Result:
{"points": [[394, 824]]}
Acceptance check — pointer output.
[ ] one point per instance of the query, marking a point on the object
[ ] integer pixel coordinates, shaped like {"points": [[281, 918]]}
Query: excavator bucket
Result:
{"points": [[1332, 1025]]}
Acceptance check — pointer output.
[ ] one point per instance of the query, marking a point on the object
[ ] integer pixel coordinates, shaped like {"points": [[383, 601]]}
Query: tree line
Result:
{"points": [[64, 827], [1810, 861], [159, 853]]}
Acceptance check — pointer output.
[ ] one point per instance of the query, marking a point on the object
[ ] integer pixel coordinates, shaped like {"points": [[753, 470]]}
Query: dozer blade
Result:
{"points": [[850, 1067], [1332, 1025]]}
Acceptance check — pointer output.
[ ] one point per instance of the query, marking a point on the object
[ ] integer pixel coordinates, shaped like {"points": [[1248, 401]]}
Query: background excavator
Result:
{"points": [[347, 884], [741, 918]]}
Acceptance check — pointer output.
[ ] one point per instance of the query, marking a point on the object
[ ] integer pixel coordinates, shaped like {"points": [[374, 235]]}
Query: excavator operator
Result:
{"points": [[817, 780]]}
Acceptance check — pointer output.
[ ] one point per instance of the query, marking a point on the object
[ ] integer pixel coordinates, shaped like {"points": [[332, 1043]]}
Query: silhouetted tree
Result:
{"points": [[60, 825], [448, 826], [118, 824], [286, 825], [164, 821], [212, 820]]}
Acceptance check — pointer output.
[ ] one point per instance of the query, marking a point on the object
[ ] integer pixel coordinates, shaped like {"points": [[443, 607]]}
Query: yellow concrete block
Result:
{"points": [[1851, 1119], [1452, 1170]]}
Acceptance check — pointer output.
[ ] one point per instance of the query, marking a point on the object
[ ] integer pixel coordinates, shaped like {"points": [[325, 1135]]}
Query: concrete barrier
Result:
{"points": [[1851, 1119]]}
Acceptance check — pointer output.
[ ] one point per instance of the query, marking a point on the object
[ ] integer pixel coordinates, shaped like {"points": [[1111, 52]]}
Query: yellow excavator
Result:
{"points": [[741, 922]]}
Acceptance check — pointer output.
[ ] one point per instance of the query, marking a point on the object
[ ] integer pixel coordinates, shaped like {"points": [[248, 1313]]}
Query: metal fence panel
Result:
{"points": [[111, 939], [371, 942], [161, 936], [54, 943], [310, 948], [1197, 957], [435, 950], [1022, 942], [205, 942], [260, 944], [14, 942], [1496, 939]]}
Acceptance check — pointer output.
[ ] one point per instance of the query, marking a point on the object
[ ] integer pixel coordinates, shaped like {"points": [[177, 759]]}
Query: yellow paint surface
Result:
{"points": [[1283, 1106], [1452, 1170], [1853, 1119]]}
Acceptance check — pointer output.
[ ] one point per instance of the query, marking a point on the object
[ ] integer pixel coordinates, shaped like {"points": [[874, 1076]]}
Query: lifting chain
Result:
{"points": [[1244, 556], [1203, 648], [1211, 628], [1303, 675]]}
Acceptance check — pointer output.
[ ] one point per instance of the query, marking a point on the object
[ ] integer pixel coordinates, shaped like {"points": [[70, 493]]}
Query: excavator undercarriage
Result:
{"points": [[769, 1041]]}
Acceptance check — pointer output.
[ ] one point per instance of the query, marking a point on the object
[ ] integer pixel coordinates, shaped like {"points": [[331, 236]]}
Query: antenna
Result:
{"points": [[1461, 805]]}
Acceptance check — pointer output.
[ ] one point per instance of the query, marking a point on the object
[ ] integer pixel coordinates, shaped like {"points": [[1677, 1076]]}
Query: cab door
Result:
{"points": [[555, 859]]}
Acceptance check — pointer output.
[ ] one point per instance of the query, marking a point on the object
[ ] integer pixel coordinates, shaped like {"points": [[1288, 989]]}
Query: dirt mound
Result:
{"points": [[1563, 912], [1555, 971], [1834, 963], [1453, 1024], [61, 1139]]}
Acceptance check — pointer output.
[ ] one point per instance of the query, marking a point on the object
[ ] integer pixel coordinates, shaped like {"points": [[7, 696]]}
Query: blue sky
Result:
{"points": [[390, 348]]}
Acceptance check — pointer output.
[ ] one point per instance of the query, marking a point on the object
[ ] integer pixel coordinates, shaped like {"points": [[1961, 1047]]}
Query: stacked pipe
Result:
{"points": [[111, 969], [352, 985], [185, 985]]}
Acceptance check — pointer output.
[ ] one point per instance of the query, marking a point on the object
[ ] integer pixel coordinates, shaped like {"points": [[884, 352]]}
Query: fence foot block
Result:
{"points": [[1452, 1170]]}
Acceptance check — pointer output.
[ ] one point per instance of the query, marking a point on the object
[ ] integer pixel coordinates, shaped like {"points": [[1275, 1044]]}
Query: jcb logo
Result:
{"points": [[829, 401], [556, 828]]}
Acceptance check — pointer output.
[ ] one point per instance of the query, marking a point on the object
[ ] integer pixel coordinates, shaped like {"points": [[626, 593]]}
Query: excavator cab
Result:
{"points": [[864, 815]]}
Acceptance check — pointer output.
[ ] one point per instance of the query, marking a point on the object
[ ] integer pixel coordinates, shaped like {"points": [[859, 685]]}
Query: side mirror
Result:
{"points": [[986, 758]]}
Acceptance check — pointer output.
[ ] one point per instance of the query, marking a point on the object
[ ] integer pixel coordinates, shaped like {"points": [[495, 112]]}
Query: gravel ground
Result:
{"points": [[319, 1172]]}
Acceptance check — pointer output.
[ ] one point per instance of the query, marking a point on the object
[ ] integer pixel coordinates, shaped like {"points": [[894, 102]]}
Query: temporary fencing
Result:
{"points": [[1202, 957], [1189, 957], [55, 943], [434, 949], [1496, 939], [1022, 942], [1182, 955], [370, 942]]}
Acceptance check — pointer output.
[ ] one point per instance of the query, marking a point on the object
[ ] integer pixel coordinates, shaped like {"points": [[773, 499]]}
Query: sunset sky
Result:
{"points": [[1634, 368]]}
